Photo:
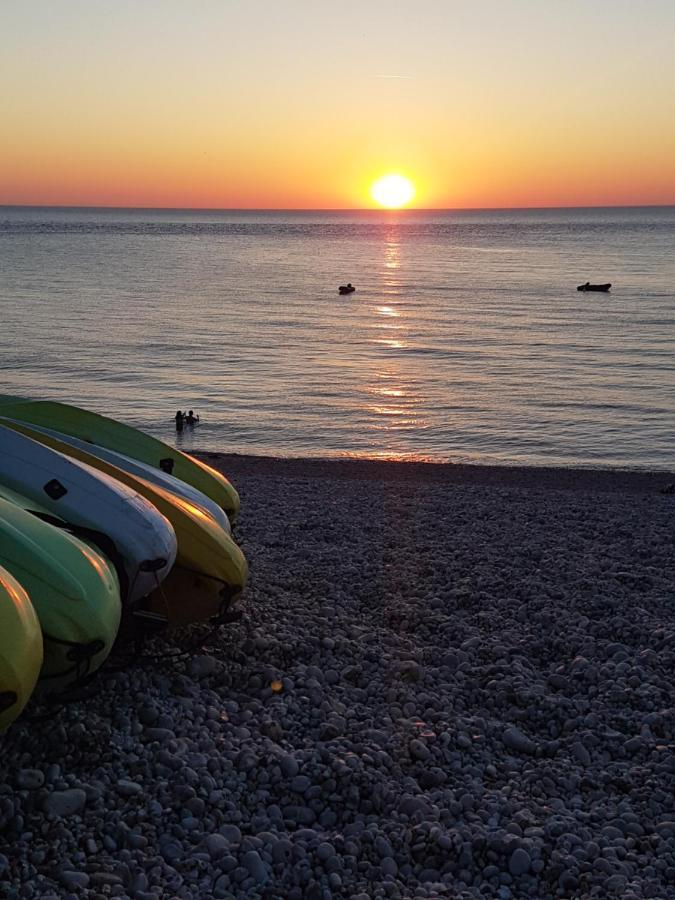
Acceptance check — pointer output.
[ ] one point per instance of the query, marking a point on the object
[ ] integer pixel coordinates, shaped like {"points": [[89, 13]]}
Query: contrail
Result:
{"points": [[407, 77]]}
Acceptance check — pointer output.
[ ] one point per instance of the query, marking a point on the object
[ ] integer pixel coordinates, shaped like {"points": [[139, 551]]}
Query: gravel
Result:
{"points": [[448, 682]]}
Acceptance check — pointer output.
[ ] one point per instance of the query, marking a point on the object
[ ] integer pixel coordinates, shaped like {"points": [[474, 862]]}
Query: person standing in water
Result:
{"points": [[191, 419], [180, 420]]}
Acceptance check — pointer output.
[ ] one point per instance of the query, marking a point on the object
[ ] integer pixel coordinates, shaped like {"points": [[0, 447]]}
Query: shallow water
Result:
{"points": [[466, 339]]}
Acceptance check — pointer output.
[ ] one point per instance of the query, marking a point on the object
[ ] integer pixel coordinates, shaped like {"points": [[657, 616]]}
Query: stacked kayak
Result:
{"points": [[100, 526], [73, 589], [132, 531], [209, 568], [20, 648], [117, 436]]}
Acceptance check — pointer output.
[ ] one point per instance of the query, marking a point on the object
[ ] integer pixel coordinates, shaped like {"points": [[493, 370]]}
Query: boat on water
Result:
{"points": [[602, 288]]}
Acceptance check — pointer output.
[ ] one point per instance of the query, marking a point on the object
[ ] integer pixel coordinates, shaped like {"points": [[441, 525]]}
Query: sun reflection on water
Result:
{"points": [[392, 385]]}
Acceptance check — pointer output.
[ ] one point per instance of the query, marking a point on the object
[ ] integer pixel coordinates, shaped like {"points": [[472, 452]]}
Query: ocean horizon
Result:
{"points": [[465, 341]]}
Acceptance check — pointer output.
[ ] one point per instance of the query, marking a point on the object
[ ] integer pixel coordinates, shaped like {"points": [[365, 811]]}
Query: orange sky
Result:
{"points": [[292, 105]]}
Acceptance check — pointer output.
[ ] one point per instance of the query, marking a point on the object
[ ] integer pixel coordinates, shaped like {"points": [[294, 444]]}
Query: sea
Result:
{"points": [[465, 341]]}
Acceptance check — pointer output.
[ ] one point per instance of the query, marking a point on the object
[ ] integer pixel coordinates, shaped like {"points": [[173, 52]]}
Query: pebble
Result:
{"points": [[202, 666], [520, 862], [216, 845], [128, 788], [65, 803], [254, 864], [29, 779], [418, 750], [581, 754], [74, 880], [516, 740], [409, 747]]}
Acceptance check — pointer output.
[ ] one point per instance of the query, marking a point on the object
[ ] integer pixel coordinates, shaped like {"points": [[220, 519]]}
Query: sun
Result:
{"points": [[392, 191]]}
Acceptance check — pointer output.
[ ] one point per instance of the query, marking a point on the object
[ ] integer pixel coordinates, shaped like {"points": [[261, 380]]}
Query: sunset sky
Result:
{"points": [[304, 103]]}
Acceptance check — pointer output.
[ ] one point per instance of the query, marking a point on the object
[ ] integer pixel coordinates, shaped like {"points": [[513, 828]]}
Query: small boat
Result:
{"points": [[346, 288], [604, 288]]}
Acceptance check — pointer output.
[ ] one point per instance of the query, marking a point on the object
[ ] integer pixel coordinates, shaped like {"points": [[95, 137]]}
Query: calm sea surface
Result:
{"points": [[466, 339]]}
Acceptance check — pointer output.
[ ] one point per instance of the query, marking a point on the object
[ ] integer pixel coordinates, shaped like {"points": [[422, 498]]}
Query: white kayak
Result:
{"points": [[144, 470], [137, 538]]}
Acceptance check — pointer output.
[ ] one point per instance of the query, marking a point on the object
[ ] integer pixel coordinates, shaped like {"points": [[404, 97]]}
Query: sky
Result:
{"points": [[297, 104]]}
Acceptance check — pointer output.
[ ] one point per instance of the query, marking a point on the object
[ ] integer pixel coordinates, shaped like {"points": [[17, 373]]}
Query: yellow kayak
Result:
{"points": [[20, 648], [210, 569]]}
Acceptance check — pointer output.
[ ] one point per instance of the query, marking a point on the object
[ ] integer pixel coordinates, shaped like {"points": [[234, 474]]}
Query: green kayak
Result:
{"points": [[73, 588], [121, 438], [20, 648]]}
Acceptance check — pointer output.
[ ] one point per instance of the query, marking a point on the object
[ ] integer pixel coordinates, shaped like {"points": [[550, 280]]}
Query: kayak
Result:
{"points": [[73, 588], [20, 648], [134, 535], [132, 466], [215, 569], [114, 435]]}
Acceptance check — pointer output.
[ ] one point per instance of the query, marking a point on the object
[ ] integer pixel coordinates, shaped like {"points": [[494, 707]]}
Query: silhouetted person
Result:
{"points": [[180, 420], [191, 419]]}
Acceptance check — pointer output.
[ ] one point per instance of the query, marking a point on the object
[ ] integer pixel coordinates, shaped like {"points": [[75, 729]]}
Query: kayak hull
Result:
{"points": [[206, 555], [132, 466], [21, 650], [121, 438], [74, 591], [138, 539]]}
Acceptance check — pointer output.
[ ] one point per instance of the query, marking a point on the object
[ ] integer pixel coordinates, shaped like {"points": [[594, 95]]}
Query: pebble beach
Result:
{"points": [[448, 681]]}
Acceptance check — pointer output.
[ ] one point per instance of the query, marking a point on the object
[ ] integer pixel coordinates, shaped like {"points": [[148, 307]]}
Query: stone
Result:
{"points": [[202, 666], [520, 862], [74, 880], [216, 845], [514, 739], [65, 803], [418, 750], [581, 754], [289, 766], [388, 866], [29, 779], [255, 866], [231, 833], [128, 788]]}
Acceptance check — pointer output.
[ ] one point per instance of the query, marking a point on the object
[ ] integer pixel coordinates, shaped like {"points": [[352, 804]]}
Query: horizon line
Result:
{"points": [[327, 209]]}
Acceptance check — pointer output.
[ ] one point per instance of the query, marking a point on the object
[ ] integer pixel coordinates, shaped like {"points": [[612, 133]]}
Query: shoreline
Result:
{"points": [[449, 473]]}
